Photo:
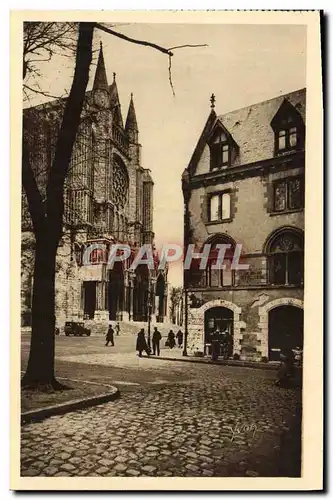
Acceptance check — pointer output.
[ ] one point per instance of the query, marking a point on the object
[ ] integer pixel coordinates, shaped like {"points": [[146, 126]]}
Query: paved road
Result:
{"points": [[173, 419]]}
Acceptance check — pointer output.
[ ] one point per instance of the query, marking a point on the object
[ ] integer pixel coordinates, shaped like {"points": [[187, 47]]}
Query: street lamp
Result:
{"points": [[149, 306], [186, 193]]}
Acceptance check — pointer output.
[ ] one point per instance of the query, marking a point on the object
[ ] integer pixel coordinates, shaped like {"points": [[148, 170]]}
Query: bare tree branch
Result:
{"points": [[170, 78], [188, 45], [26, 87], [133, 40]]}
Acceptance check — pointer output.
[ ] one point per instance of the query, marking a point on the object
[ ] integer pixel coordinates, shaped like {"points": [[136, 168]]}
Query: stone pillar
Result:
{"points": [[125, 313], [130, 287], [101, 314], [152, 300], [157, 304]]}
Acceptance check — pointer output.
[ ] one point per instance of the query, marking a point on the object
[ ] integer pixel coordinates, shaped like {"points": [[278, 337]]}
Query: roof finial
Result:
{"points": [[212, 100], [114, 76], [101, 44], [131, 95]]}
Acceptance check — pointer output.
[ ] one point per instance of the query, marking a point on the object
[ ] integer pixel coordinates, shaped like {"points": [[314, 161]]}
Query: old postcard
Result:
{"points": [[166, 267]]}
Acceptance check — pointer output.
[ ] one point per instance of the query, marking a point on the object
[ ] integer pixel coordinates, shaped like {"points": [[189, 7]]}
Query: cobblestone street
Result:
{"points": [[182, 421]]}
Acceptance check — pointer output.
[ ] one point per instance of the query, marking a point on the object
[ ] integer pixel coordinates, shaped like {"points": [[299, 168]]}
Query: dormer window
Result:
{"points": [[289, 129], [287, 139], [222, 149], [219, 151]]}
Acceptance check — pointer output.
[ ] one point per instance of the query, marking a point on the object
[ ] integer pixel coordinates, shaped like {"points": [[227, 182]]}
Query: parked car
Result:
{"points": [[76, 329]]}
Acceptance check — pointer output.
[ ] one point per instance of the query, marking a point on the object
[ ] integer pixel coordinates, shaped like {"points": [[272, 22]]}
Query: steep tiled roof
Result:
{"points": [[251, 128]]}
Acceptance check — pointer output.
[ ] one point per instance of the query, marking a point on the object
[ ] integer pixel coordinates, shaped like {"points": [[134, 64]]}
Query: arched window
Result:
{"points": [[120, 182], [285, 250]]}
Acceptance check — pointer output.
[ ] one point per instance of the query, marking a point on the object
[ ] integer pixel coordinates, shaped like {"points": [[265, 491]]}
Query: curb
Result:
{"points": [[75, 404], [242, 364]]}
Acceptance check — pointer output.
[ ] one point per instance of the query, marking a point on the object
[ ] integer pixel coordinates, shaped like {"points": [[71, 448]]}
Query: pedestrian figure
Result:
{"points": [[225, 339], [141, 344], [110, 336], [171, 340], [179, 338], [156, 341], [117, 328], [215, 341], [285, 374]]}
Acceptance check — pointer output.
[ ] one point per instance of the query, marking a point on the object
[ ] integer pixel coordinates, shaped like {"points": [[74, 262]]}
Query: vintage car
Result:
{"points": [[76, 329]]}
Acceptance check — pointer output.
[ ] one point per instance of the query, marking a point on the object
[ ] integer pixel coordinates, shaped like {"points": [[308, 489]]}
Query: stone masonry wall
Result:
{"points": [[252, 212], [250, 322]]}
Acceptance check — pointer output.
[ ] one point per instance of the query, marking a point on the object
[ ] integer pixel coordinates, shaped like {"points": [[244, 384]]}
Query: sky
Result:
{"points": [[241, 65]]}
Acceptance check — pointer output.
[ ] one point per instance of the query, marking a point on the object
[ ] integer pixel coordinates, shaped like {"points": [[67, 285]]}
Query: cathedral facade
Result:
{"points": [[108, 200], [244, 186]]}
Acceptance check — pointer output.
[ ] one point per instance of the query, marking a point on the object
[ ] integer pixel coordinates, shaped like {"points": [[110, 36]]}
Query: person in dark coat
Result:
{"points": [[215, 341], [117, 328], [110, 336], [141, 344], [156, 341], [179, 338], [171, 340]]}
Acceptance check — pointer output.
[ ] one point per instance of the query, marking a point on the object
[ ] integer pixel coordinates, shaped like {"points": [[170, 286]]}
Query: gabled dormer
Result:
{"points": [[289, 129], [223, 148]]}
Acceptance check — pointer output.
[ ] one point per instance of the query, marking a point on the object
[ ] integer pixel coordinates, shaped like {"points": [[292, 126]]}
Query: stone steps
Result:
{"points": [[129, 327]]}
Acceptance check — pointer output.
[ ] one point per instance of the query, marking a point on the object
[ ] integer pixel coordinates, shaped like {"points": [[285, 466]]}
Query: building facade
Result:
{"points": [[245, 185], [108, 200]]}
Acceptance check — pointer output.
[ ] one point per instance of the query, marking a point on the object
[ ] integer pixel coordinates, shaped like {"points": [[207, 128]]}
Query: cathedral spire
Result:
{"points": [[131, 123], [100, 82]]}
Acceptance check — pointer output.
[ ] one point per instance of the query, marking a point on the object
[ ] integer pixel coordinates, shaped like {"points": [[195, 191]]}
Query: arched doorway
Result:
{"points": [[285, 330], [115, 293], [140, 294], [160, 298], [221, 319]]}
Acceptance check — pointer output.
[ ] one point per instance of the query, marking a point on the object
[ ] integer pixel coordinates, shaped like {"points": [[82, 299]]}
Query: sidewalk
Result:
{"points": [[176, 354]]}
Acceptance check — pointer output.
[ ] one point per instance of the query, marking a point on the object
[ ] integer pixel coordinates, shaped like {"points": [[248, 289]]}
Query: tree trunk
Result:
{"points": [[40, 370], [48, 226]]}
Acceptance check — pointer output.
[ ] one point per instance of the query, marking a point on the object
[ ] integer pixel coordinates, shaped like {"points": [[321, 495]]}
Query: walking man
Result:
{"points": [[156, 341], [110, 336], [141, 344], [117, 328]]}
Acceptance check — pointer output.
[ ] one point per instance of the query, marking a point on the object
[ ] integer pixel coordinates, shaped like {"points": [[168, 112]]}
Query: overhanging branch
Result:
{"points": [[133, 40]]}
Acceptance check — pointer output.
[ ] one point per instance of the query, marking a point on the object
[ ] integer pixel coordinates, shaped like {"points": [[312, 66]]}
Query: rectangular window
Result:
{"points": [[293, 137], [219, 207], [280, 196], [225, 154], [288, 194], [219, 155], [214, 207], [282, 139], [295, 193], [225, 206], [287, 139]]}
